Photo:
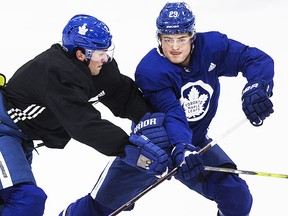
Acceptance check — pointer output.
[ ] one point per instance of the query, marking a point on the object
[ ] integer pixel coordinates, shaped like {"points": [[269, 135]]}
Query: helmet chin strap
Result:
{"points": [[87, 61]]}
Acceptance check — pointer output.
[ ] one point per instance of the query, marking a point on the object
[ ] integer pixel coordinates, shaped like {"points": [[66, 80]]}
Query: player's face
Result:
{"points": [[98, 58], [177, 47]]}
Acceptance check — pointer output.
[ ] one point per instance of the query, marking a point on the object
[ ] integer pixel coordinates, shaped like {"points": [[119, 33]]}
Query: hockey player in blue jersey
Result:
{"points": [[181, 79]]}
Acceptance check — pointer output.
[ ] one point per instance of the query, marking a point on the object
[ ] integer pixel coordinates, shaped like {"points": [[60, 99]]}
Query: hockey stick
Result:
{"points": [[175, 170], [225, 134], [236, 171]]}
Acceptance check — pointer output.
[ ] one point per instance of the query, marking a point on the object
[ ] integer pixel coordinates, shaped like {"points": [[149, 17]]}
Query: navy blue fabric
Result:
{"points": [[21, 197], [12, 152], [17, 183]]}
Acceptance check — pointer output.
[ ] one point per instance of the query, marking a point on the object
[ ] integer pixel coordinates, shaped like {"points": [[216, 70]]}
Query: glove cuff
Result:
{"points": [[180, 146], [251, 86]]}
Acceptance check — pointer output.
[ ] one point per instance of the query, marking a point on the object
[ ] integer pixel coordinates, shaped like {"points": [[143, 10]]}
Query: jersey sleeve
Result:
{"points": [[67, 99], [235, 57], [122, 96]]}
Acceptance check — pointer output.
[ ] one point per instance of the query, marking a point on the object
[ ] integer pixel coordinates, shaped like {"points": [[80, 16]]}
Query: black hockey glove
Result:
{"points": [[190, 162], [152, 126], [146, 156], [256, 103]]}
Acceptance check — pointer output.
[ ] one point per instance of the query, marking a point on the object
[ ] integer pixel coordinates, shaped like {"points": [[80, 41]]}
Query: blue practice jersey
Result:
{"points": [[189, 95]]}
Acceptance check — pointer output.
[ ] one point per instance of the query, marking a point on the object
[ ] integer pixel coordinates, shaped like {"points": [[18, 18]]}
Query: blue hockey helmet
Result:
{"points": [[86, 32], [175, 18]]}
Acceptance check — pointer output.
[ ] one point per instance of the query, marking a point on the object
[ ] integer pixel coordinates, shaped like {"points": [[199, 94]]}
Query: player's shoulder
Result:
{"points": [[153, 63], [212, 41], [211, 35]]}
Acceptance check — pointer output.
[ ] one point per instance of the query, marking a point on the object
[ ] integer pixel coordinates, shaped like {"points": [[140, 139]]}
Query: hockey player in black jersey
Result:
{"points": [[50, 98]]}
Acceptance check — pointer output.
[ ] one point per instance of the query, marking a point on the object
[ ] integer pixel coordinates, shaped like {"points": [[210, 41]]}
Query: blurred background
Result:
{"points": [[30, 27]]}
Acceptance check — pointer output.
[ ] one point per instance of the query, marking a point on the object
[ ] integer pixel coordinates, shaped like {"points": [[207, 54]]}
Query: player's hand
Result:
{"points": [[153, 127], [192, 166], [256, 103], [186, 157], [146, 156]]}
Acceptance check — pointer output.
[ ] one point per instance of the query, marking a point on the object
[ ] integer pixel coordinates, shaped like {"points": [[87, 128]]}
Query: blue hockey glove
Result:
{"points": [[152, 126], [192, 165], [185, 157], [256, 103], [146, 156], [180, 151]]}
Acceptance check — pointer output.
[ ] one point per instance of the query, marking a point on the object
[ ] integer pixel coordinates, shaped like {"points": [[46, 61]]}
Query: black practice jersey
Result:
{"points": [[51, 98]]}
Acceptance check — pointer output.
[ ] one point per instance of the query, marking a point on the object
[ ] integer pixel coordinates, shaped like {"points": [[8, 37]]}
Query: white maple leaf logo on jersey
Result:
{"points": [[195, 99], [194, 104], [82, 29]]}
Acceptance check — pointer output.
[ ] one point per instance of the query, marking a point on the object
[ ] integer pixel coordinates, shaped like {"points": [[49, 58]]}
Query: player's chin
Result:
{"points": [[176, 60], [97, 70]]}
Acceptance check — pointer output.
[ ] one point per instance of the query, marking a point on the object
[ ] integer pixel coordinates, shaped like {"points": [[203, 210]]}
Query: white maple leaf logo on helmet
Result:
{"points": [[82, 29]]}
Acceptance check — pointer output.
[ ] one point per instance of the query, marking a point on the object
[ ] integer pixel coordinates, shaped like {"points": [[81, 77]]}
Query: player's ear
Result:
{"points": [[79, 55]]}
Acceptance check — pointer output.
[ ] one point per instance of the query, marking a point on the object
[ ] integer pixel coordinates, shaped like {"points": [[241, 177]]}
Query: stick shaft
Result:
{"points": [[224, 135], [246, 172], [133, 200]]}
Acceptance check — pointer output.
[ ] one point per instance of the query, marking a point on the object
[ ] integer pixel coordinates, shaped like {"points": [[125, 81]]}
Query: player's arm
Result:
{"points": [[122, 96], [258, 69]]}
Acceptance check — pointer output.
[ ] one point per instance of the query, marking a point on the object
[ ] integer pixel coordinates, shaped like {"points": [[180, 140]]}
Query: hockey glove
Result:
{"points": [[192, 166], [152, 126], [256, 103], [146, 156], [185, 157]]}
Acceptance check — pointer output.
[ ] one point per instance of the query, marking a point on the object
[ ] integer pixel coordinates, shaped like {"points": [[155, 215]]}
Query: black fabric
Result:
{"points": [[122, 96], [60, 88]]}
